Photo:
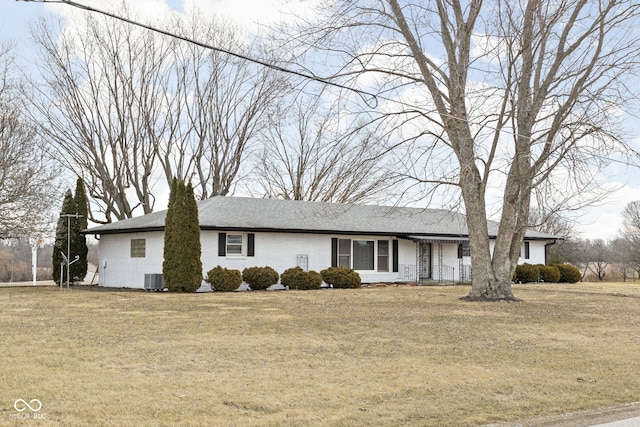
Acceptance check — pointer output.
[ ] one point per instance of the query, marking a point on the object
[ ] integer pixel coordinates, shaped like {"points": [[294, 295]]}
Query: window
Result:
{"points": [[464, 250], [526, 250], [363, 258], [138, 248], [383, 255], [344, 253], [363, 255], [236, 244]]}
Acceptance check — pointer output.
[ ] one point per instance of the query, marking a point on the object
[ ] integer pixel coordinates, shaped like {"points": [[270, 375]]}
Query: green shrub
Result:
{"points": [[526, 273], [297, 278], [224, 280], [259, 278], [549, 273], [341, 277], [315, 278], [568, 273]]}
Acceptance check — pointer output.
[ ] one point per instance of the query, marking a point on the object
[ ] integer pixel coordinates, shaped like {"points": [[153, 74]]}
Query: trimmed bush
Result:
{"points": [[549, 273], [223, 279], [259, 278], [526, 273], [297, 278], [315, 278], [568, 273], [341, 277]]}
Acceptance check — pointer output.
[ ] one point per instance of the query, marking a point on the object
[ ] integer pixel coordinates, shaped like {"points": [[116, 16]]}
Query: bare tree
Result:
{"points": [[27, 180], [576, 252], [623, 258], [631, 232], [128, 109], [521, 93], [631, 222], [308, 155], [101, 108], [220, 104], [599, 258]]}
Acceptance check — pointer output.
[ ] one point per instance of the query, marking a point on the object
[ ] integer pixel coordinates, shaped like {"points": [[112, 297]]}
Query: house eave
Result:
{"points": [[121, 231], [397, 234], [430, 238], [439, 239]]}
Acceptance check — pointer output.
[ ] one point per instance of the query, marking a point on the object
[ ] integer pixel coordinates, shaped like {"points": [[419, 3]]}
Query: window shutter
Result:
{"points": [[334, 252], [395, 255], [459, 250], [222, 244], [526, 250], [251, 244]]}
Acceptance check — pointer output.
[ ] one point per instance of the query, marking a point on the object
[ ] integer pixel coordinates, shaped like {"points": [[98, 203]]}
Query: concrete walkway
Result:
{"points": [[629, 422], [616, 416]]}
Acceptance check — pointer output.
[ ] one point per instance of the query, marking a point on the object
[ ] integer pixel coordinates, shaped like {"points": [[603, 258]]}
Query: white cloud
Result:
{"points": [[252, 13], [241, 11]]}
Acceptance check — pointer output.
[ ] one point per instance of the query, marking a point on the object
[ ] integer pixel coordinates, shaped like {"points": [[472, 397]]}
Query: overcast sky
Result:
{"points": [[597, 222]]}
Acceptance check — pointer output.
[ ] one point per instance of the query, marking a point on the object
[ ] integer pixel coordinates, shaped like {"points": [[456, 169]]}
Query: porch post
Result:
{"points": [[439, 262]]}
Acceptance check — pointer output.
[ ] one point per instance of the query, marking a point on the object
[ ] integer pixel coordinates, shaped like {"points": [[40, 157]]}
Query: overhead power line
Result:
{"points": [[323, 80]]}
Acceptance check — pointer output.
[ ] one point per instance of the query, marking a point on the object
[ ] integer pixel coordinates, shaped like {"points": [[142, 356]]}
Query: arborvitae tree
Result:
{"points": [[62, 234], [79, 241], [192, 263], [182, 267], [169, 261]]}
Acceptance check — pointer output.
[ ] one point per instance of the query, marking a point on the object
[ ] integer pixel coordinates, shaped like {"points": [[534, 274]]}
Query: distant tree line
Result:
{"points": [[617, 259]]}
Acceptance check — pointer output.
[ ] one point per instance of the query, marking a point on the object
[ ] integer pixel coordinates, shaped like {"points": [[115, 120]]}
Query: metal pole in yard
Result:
{"points": [[69, 216]]}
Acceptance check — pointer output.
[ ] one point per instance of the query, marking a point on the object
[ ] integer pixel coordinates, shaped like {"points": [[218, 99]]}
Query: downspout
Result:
{"points": [[546, 250]]}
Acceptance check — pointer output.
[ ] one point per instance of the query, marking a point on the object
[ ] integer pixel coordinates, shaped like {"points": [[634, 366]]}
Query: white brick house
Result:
{"points": [[384, 244]]}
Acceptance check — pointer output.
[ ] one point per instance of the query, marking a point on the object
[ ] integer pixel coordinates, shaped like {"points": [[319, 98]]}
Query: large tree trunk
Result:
{"points": [[491, 279]]}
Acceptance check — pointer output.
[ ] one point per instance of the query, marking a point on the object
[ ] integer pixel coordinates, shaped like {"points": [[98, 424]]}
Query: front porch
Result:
{"points": [[445, 275], [439, 260]]}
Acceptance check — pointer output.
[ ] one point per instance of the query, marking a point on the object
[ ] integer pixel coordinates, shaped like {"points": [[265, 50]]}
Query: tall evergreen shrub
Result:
{"points": [[182, 266], [79, 241], [169, 261]]}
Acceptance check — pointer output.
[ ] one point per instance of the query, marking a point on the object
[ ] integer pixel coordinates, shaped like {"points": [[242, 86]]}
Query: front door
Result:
{"points": [[424, 261]]}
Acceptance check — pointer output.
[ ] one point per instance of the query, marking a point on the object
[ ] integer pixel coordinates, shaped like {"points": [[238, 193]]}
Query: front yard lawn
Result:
{"points": [[378, 356]]}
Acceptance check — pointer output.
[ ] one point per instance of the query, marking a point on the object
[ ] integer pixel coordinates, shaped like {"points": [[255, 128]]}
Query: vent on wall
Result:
{"points": [[302, 261], [153, 282]]}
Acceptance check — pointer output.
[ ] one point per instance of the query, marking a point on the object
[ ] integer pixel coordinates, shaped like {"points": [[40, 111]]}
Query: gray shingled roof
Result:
{"points": [[242, 213]]}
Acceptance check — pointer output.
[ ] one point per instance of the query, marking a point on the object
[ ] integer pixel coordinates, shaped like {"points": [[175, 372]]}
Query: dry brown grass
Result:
{"points": [[384, 356]]}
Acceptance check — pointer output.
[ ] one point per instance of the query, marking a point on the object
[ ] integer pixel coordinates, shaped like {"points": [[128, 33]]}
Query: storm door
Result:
{"points": [[424, 260]]}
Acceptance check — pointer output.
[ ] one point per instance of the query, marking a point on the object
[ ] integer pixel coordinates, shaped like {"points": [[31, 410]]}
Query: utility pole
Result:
{"points": [[35, 244]]}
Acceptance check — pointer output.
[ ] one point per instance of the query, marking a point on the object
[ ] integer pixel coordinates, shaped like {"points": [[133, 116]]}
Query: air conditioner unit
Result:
{"points": [[153, 282]]}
